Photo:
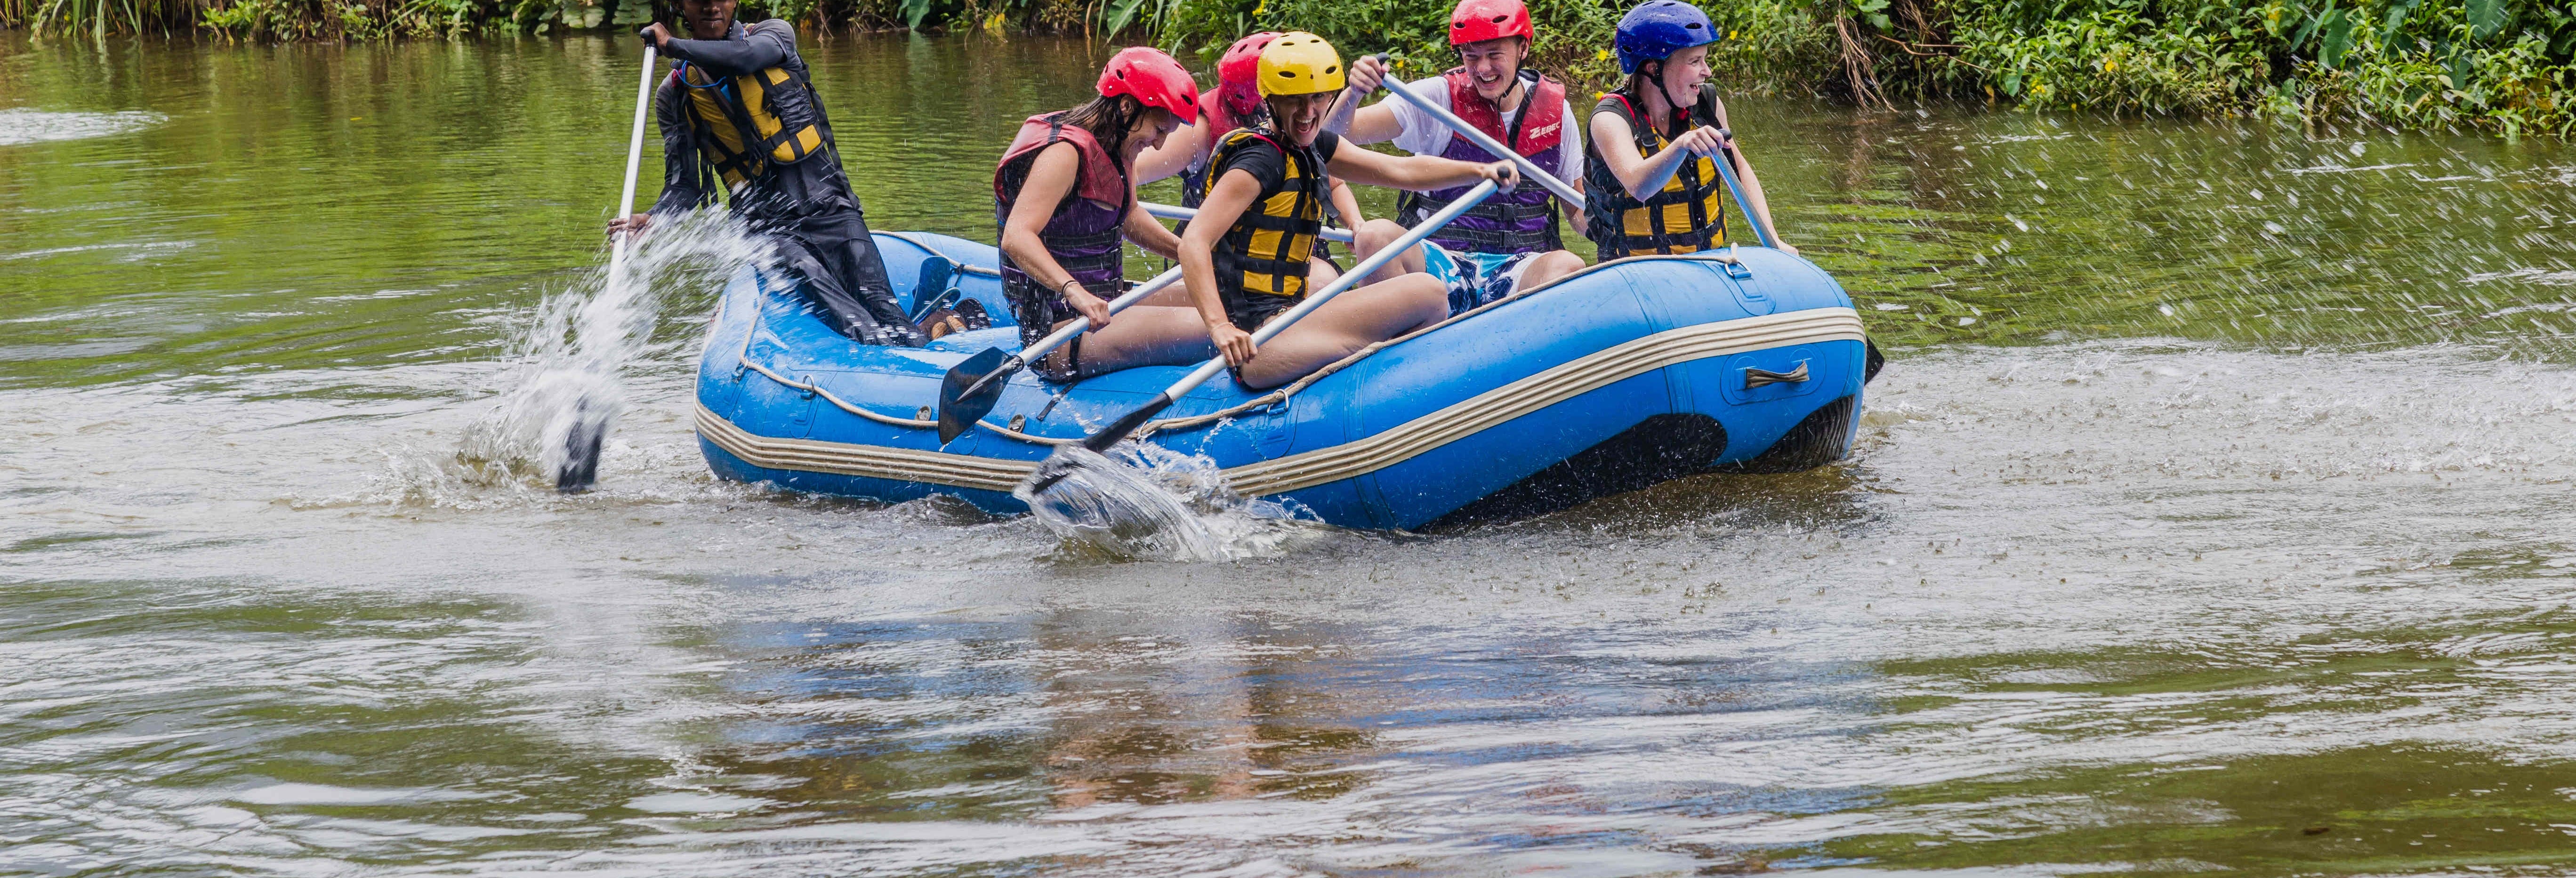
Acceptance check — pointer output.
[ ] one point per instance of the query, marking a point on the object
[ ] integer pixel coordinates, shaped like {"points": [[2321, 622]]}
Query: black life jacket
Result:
{"points": [[744, 124], [1267, 249], [1687, 216]]}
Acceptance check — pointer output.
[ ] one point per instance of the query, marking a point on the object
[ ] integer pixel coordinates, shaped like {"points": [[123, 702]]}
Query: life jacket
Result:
{"points": [[744, 124], [1687, 216], [1522, 220], [1266, 250], [1083, 237], [1212, 114]]}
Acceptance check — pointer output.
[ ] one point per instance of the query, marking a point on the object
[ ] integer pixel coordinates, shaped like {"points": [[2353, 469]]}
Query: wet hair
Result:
{"points": [[1109, 119]]}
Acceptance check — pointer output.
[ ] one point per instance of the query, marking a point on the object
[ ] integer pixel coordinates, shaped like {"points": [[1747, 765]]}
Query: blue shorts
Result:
{"points": [[1474, 279]]}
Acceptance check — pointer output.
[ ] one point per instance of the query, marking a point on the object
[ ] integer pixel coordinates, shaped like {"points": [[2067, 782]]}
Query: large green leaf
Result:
{"points": [[914, 11], [1118, 15], [2310, 29], [2397, 12], [2485, 18], [2334, 38]]}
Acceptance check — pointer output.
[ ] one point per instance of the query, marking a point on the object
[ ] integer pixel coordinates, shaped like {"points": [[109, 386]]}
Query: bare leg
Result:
{"points": [[1548, 266], [1373, 236], [1320, 272], [1351, 321], [1146, 336]]}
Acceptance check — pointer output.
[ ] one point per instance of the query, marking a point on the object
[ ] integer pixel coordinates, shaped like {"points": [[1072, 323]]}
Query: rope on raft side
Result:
{"points": [[1274, 397]]}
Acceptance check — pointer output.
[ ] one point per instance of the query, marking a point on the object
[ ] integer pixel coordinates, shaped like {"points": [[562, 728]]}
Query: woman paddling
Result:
{"points": [[1234, 103], [1246, 257], [1648, 170], [1065, 202]]}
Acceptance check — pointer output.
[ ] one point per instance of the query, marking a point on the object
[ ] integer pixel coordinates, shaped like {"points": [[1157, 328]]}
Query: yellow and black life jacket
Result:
{"points": [[1267, 249], [776, 106], [1687, 216]]}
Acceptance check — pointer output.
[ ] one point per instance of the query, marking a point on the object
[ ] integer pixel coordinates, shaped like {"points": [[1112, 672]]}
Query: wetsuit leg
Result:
{"points": [[846, 278]]}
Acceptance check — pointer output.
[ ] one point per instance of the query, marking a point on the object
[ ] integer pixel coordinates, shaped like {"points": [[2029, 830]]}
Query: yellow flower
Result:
{"points": [[1603, 55], [2109, 66], [1730, 35]]}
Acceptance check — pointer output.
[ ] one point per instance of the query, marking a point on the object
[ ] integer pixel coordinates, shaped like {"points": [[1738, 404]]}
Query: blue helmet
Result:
{"points": [[1658, 28]]}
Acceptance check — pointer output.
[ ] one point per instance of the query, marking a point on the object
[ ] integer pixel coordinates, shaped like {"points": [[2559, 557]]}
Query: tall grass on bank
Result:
{"points": [[2507, 66]]}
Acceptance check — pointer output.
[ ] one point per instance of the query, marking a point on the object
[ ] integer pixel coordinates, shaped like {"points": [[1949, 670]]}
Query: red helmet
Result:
{"points": [[1238, 74], [1153, 79], [1475, 21]]}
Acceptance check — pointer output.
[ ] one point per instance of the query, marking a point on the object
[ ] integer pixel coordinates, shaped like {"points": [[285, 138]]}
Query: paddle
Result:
{"points": [[581, 445], [1481, 139], [1486, 142], [970, 388], [1046, 476], [1726, 168]]}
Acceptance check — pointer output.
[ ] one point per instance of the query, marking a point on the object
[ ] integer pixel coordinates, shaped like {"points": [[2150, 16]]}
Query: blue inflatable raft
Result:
{"points": [[1621, 376]]}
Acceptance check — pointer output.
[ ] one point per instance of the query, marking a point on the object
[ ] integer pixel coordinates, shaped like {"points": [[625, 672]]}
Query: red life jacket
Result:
{"points": [[1101, 179], [1542, 121], [1522, 220]]}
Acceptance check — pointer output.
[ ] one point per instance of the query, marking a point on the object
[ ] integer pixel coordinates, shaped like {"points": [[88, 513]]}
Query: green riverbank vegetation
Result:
{"points": [[2504, 66]]}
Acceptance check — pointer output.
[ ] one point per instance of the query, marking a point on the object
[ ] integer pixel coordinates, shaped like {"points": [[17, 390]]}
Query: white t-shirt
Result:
{"points": [[1423, 135]]}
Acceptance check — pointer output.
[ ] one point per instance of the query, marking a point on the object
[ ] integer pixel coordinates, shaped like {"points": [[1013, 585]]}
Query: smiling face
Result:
{"points": [[1300, 117], [707, 19], [1683, 72], [1150, 131], [1493, 64]]}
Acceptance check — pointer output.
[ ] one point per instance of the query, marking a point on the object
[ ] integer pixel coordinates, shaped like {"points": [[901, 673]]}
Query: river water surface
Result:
{"points": [[2213, 514]]}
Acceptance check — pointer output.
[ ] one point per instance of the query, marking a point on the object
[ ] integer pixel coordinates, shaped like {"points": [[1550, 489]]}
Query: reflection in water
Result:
{"points": [[2217, 495]]}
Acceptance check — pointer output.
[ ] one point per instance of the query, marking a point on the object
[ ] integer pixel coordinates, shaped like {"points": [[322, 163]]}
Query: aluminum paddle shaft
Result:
{"points": [[1079, 326], [634, 163], [1134, 420], [1528, 170], [581, 443], [1486, 142]]}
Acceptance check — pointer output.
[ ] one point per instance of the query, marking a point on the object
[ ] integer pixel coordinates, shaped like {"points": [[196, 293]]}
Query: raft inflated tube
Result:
{"points": [[1614, 378]]}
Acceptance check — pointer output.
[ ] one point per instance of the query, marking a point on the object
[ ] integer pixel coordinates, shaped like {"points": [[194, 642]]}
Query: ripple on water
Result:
{"points": [[32, 126]]}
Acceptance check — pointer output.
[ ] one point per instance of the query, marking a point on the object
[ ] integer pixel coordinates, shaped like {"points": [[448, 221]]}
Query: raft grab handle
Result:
{"points": [[1758, 377]]}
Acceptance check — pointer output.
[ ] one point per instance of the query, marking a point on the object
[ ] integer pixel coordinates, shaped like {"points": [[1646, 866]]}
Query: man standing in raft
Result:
{"points": [[1245, 257], [1653, 185], [739, 108], [1065, 201], [1511, 239]]}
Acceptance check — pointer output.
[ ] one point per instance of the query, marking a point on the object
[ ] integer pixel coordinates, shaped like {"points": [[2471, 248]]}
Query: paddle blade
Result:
{"points": [[959, 409], [581, 452], [1056, 467]]}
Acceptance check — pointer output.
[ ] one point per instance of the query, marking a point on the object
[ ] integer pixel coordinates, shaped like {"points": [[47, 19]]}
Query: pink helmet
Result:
{"points": [[1153, 79], [1238, 74], [1475, 21]]}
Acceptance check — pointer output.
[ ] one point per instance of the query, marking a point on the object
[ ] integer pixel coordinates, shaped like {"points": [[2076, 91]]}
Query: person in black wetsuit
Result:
{"points": [[739, 114]]}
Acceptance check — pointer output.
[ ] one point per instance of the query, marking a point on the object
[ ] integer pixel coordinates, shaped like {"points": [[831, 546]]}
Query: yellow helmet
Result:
{"points": [[1300, 63]]}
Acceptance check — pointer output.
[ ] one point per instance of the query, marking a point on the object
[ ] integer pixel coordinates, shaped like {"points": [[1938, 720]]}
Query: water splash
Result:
{"points": [[581, 341], [1153, 503]]}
